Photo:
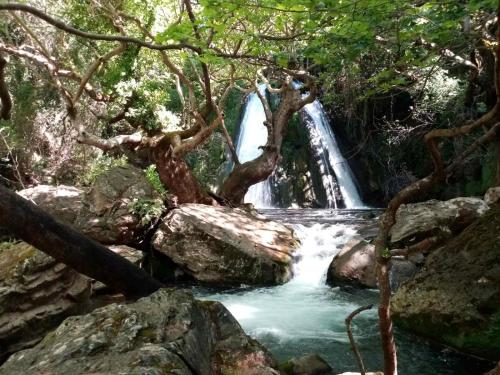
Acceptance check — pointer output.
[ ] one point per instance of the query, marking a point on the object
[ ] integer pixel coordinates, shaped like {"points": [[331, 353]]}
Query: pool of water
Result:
{"points": [[307, 316]]}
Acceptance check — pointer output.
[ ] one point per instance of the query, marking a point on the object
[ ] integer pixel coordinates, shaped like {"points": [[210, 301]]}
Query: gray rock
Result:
{"points": [[102, 213], [356, 265], [168, 332], [36, 294], [492, 196], [455, 297], [402, 270], [311, 364], [417, 221], [226, 246]]}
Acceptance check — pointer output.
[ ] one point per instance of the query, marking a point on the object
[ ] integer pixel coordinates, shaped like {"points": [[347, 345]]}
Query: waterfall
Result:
{"points": [[329, 158], [253, 134], [326, 153]]}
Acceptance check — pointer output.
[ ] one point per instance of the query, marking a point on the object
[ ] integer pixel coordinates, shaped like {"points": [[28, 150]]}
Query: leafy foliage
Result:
{"points": [[149, 210]]}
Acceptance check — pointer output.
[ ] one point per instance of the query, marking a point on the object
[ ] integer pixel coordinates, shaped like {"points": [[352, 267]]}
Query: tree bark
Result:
{"points": [[176, 175], [28, 222], [5, 100], [247, 174]]}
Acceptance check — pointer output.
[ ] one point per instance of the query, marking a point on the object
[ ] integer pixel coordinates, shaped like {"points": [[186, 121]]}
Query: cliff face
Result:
{"points": [[455, 297]]}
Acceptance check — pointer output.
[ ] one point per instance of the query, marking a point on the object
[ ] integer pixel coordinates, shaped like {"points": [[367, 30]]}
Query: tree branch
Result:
{"points": [[84, 34], [351, 337]]}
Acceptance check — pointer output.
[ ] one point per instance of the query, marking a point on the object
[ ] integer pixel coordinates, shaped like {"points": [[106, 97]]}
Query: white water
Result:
{"points": [[253, 134], [306, 316], [331, 164], [328, 156], [303, 311]]}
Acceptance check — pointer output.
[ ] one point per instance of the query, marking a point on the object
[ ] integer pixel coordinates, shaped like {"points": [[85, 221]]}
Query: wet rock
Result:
{"points": [[221, 245], [311, 364], [358, 373], [492, 196], [168, 332], [455, 297], [356, 265], [417, 221], [36, 294], [102, 213]]}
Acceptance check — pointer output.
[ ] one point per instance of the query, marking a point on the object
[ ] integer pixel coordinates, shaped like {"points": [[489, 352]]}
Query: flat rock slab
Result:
{"points": [[168, 332], [36, 294], [222, 245], [417, 221]]}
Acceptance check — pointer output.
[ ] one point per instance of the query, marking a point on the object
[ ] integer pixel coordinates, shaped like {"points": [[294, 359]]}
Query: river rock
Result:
{"points": [[102, 213], [168, 332], [455, 297], [492, 196], [356, 265], [36, 294], [417, 221], [221, 245], [311, 364]]}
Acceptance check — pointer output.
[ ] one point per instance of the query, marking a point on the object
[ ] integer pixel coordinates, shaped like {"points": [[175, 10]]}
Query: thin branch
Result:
{"points": [[351, 337], [84, 34], [93, 68]]}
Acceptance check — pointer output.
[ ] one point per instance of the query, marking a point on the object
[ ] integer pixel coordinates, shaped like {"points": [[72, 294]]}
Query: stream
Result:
{"points": [[307, 316]]}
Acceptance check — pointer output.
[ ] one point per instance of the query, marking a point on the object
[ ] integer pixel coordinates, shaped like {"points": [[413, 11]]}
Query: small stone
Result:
{"points": [[311, 364]]}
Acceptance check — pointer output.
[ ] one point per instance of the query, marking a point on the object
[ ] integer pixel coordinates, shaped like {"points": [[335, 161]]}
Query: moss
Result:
{"points": [[14, 255], [455, 298]]}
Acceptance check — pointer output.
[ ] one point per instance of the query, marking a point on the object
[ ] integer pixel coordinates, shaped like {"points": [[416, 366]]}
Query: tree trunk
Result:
{"points": [[177, 176], [28, 222], [5, 99], [247, 174]]}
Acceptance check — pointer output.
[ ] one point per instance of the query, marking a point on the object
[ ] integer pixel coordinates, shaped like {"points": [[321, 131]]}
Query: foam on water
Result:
{"points": [[307, 316]]}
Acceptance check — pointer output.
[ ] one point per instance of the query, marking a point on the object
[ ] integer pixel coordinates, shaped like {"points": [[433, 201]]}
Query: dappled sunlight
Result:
{"points": [[240, 228]]}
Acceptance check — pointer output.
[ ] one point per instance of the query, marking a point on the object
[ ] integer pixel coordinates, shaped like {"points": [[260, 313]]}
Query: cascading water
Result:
{"points": [[329, 158], [331, 164], [307, 316], [253, 134]]}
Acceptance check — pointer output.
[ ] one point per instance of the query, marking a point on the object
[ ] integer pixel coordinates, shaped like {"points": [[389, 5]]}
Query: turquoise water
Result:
{"points": [[307, 316]]}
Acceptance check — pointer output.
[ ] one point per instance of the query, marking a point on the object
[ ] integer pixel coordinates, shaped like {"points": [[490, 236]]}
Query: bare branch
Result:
{"points": [[134, 139], [84, 34], [93, 68], [351, 337]]}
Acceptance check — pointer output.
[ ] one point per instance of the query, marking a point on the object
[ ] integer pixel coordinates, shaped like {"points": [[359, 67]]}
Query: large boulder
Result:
{"points": [[228, 246], [36, 294], [168, 332], [356, 264], [417, 221], [103, 213], [455, 297]]}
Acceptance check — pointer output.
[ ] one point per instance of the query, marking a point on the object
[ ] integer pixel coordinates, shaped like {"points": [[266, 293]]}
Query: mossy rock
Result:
{"points": [[455, 298]]}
